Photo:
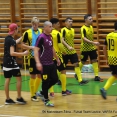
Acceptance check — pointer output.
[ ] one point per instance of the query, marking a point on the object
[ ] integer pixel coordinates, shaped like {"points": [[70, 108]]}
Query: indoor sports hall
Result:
{"points": [[85, 100]]}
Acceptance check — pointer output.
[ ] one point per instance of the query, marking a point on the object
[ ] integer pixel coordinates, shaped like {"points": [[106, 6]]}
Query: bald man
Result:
{"points": [[44, 54]]}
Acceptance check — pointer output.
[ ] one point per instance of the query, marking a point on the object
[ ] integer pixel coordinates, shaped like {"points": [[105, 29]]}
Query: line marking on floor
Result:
{"points": [[11, 116], [72, 73], [1, 106]]}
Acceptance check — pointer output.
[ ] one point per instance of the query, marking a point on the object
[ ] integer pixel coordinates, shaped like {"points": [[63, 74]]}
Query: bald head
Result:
{"points": [[47, 27], [47, 23]]}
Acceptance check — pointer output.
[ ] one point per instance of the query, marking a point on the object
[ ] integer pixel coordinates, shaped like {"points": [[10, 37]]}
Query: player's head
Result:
{"points": [[35, 23], [47, 27], [55, 23], [115, 25], [88, 19], [68, 22], [13, 29]]}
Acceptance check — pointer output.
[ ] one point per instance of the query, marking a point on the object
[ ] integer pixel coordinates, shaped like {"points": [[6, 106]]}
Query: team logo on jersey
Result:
{"points": [[50, 43], [30, 69], [44, 77], [46, 40]]}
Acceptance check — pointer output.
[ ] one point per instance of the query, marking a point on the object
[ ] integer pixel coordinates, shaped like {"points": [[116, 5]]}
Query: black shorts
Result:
{"points": [[13, 72], [49, 73], [73, 58], [62, 66], [113, 69], [32, 66], [92, 54]]}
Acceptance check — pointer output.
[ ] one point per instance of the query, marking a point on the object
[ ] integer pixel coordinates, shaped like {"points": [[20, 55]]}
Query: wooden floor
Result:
{"points": [[75, 105]]}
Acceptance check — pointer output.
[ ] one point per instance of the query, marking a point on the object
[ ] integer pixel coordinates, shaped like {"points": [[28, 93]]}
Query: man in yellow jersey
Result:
{"points": [[110, 52], [68, 41], [59, 48], [30, 37], [88, 46]]}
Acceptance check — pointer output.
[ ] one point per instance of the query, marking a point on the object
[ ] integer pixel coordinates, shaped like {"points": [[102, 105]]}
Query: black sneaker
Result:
{"points": [[97, 78], [20, 101], [83, 82], [103, 93], [75, 76], [9, 101], [59, 82], [34, 98]]}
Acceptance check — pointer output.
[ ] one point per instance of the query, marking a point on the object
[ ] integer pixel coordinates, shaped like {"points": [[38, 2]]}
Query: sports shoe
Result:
{"points": [[52, 94], [103, 93], [34, 98], [59, 82], [75, 76], [39, 94], [67, 92], [97, 78], [49, 103], [83, 82], [9, 101], [20, 101]]}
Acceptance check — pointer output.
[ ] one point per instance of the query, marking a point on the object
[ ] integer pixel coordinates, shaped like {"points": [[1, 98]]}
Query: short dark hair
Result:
{"points": [[115, 25], [68, 18], [86, 16], [54, 20]]}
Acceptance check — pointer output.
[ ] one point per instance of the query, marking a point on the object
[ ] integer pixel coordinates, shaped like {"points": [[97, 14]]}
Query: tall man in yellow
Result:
{"points": [[88, 46], [59, 49], [110, 51], [68, 41], [30, 37]]}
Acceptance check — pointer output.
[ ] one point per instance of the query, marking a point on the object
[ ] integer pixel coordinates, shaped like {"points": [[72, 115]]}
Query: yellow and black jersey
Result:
{"points": [[56, 38], [68, 35], [29, 38], [87, 31], [111, 42]]}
